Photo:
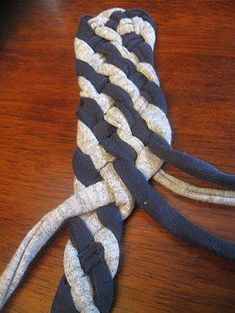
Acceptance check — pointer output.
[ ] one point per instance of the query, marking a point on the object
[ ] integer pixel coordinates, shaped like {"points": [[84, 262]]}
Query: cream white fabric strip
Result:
{"points": [[182, 188]]}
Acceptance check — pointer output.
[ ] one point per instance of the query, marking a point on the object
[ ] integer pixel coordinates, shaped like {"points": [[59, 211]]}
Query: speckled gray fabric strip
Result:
{"points": [[123, 137]]}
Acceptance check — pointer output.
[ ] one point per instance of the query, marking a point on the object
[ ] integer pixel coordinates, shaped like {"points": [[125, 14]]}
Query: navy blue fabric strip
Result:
{"points": [[162, 212], [118, 148], [84, 168], [110, 217], [93, 118], [63, 301], [85, 70]]}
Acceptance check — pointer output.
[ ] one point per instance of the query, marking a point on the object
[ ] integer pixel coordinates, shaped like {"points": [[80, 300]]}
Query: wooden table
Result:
{"points": [[39, 95]]}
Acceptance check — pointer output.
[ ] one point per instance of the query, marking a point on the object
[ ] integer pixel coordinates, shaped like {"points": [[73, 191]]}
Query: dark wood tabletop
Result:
{"points": [[39, 94]]}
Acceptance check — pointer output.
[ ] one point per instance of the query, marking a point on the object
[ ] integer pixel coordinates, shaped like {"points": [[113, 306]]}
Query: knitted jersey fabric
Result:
{"points": [[124, 137]]}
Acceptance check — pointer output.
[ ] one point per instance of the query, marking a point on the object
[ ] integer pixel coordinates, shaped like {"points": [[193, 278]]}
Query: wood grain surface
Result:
{"points": [[39, 95]]}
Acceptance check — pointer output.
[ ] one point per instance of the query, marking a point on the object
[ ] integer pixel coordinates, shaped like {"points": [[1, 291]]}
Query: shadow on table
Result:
{"points": [[11, 14]]}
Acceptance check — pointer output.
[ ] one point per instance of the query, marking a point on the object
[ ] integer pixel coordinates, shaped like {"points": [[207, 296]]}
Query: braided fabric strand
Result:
{"points": [[123, 139]]}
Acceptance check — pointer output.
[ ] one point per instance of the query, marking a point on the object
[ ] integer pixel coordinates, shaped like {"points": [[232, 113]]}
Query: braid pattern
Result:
{"points": [[123, 139]]}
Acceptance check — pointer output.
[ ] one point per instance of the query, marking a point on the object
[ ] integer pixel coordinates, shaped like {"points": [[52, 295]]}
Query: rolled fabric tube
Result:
{"points": [[190, 164], [182, 188]]}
